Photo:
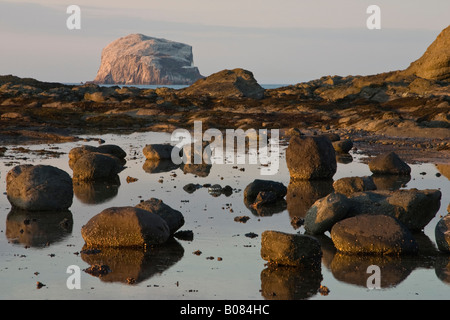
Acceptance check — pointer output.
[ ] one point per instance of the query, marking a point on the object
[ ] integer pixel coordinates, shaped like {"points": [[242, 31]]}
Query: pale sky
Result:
{"points": [[284, 41]]}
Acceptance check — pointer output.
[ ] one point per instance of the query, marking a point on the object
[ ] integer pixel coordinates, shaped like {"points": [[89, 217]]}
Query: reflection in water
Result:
{"points": [[442, 268], [158, 166], [344, 158], [290, 283], [201, 170], [301, 195], [390, 182], [38, 229], [134, 263], [352, 269], [96, 192], [266, 210]]}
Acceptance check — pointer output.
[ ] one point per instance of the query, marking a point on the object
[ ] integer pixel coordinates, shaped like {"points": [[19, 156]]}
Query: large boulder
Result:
{"points": [[236, 83], [279, 248], [173, 218], [434, 64], [39, 188], [139, 59], [373, 234], [389, 163], [413, 208], [311, 157], [125, 227]]}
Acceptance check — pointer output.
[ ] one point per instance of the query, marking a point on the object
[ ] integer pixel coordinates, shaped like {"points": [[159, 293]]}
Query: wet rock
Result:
{"points": [[390, 182], [285, 249], [253, 189], [413, 208], [442, 234], [325, 212], [173, 218], [96, 166], [389, 163], [39, 188], [343, 146], [350, 185], [191, 187], [96, 192], [109, 149], [158, 151], [373, 234], [125, 227], [311, 158]]}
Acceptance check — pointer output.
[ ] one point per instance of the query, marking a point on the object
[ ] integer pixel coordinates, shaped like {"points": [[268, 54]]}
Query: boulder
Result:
{"points": [[140, 59], [277, 189], [442, 234], [110, 149], [236, 83], [125, 227], [413, 208], [389, 163], [173, 218], [311, 158], [285, 249], [325, 212], [39, 188], [158, 151], [350, 185], [343, 146], [96, 166], [373, 234]]}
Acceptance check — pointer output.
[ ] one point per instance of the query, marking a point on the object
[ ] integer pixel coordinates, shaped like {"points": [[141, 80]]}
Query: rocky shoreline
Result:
{"points": [[378, 113]]}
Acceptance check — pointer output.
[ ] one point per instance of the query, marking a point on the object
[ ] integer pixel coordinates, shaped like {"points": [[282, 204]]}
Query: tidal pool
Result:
{"points": [[223, 260]]}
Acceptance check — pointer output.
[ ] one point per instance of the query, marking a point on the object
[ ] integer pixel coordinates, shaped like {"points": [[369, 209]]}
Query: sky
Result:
{"points": [[281, 42]]}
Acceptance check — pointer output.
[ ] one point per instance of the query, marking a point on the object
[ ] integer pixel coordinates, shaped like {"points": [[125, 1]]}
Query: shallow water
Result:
{"points": [[47, 247]]}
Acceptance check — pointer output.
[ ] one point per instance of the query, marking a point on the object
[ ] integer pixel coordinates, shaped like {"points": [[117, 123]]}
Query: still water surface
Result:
{"points": [[229, 266]]}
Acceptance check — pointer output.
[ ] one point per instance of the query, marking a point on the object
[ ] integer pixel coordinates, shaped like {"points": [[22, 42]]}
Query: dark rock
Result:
{"points": [[109, 149], [389, 163], [258, 185], [125, 227], [373, 234], [310, 158], [39, 188], [173, 218], [236, 83], [325, 212], [442, 234], [343, 146], [96, 166]]}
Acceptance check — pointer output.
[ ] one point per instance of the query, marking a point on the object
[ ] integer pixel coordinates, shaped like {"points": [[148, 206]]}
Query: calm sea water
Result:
{"points": [[44, 249]]}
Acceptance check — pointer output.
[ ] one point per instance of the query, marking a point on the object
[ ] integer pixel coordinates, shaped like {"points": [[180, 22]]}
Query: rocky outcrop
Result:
{"points": [[434, 64], [139, 59], [236, 83], [39, 188]]}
